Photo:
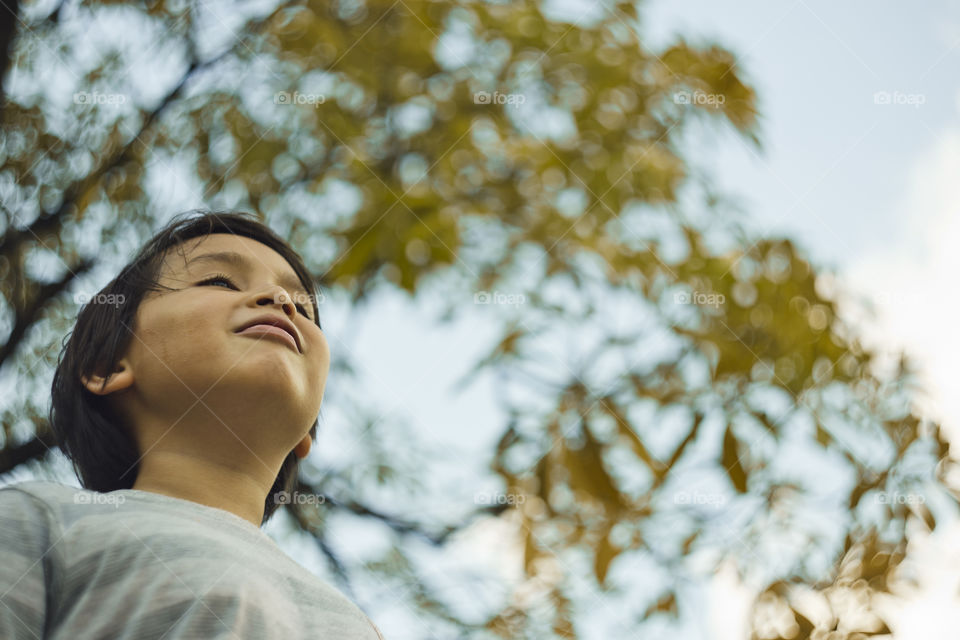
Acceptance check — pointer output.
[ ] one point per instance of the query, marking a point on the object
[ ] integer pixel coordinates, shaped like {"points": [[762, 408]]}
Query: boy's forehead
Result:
{"points": [[226, 250], [187, 256]]}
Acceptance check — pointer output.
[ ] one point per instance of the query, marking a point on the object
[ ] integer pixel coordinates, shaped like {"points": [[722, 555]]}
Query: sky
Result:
{"points": [[867, 186]]}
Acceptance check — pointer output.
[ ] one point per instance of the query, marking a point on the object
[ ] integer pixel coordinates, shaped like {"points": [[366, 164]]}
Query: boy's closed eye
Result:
{"points": [[225, 278]]}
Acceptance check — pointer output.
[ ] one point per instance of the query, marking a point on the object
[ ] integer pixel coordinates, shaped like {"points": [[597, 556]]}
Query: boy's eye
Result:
{"points": [[220, 278], [224, 278]]}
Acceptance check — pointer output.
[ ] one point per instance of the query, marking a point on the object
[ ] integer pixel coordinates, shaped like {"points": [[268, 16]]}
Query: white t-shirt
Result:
{"points": [[134, 565]]}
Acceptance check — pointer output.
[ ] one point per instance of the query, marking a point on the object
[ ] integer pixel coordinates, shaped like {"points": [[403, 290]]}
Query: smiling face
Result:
{"points": [[194, 383]]}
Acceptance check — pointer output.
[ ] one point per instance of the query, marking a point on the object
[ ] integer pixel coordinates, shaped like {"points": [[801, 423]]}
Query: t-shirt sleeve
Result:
{"points": [[25, 565]]}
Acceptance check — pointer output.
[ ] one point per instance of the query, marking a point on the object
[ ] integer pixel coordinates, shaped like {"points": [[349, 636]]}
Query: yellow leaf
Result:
{"points": [[605, 554], [731, 461]]}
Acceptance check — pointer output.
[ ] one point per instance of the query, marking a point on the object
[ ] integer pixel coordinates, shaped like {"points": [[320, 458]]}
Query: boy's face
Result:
{"points": [[196, 380]]}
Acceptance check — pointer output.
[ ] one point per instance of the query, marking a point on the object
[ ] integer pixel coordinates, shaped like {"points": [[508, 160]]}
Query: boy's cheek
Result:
{"points": [[319, 347]]}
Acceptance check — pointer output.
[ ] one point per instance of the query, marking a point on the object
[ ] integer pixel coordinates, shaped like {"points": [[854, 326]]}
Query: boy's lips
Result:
{"points": [[273, 325]]}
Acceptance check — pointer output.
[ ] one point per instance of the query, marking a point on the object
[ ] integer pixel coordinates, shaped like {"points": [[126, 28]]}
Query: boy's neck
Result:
{"points": [[203, 482]]}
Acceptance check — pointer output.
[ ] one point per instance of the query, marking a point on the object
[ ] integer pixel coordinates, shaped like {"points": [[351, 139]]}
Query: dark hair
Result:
{"points": [[103, 452]]}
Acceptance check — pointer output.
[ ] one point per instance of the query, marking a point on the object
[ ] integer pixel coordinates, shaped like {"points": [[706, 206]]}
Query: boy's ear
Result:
{"points": [[120, 379], [303, 447]]}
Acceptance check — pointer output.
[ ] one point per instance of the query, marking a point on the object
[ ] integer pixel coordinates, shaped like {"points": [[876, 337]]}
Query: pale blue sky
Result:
{"points": [[836, 162]]}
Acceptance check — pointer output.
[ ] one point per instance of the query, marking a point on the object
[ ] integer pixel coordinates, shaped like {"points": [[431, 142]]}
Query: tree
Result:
{"points": [[483, 150]]}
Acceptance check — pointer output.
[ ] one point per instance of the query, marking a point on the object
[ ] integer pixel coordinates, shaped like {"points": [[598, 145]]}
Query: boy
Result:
{"points": [[185, 404]]}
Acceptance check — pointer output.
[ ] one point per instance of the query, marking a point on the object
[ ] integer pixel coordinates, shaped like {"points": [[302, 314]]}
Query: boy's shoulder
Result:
{"points": [[43, 488], [51, 501], [141, 530], [49, 494], [31, 510]]}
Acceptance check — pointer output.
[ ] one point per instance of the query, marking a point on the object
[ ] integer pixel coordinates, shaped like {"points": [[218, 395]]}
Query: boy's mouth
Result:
{"points": [[272, 325]]}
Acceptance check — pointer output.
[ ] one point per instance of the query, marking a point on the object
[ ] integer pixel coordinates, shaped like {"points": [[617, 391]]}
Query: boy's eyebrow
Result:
{"points": [[239, 260]]}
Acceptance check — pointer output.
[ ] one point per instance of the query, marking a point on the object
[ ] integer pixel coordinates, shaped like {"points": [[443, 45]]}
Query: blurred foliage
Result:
{"points": [[486, 147]]}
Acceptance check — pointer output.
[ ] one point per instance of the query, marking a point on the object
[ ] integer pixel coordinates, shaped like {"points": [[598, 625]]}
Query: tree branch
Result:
{"points": [[303, 521], [402, 527], [25, 318], [8, 35], [34, 449], [45, 224]]}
